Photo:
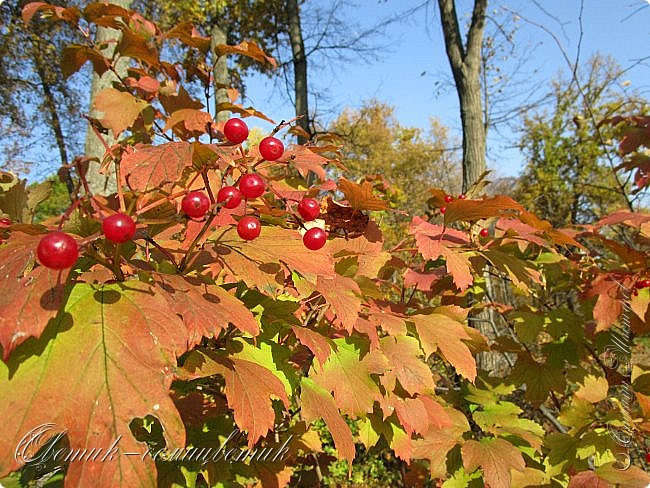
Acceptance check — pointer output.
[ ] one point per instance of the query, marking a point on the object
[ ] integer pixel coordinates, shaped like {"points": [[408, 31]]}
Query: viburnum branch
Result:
{"points": [[120, 192], [164, 251]]}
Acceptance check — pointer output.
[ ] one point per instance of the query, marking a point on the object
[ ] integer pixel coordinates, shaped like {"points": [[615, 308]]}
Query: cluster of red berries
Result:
{"points": [[58, 250], [449, 199], [639, 285]]}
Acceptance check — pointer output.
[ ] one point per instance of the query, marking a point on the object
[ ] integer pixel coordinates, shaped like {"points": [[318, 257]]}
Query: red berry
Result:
{"points": [[118, 228], [647, 457], [640, 284], [57, 250], [195, 204], [462, 196], [235, 130], [484, 233], [5, 222], [271, 148], [448, 198], [252, 185], [443, 210], [314, 238], [645, 284], [309, 209], [231, 195], [249, 228]]}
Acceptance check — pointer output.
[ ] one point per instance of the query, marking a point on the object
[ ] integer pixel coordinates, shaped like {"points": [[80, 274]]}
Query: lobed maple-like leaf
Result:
{"points": [[249, 388], [30, 297], [438, 441], [540, 378], [317, 343], [317, 403], [107, 359], [146, 167], [473, 210], [434, 241], [344, 296], [135, 45], [187, 33], [438, 331], [258, 262], [304, 160], [349, 378], [361, 196], [245, 48], [75, 56], [70, 15], [120, 109], [205, 309], [495, 457], [193, 120], [243, 111], [400, 358]]}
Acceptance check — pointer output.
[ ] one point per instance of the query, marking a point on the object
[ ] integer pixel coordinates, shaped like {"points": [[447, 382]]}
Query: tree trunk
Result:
{"points": [[299, 68], [465, 63], [55, 122], [220, 73], [103, 184]]}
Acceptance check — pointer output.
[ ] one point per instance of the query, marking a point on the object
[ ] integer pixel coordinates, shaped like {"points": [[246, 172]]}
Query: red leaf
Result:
{"points": [[187, 34], [635, 219], [146, 168], [120, 109], [29, 298]]}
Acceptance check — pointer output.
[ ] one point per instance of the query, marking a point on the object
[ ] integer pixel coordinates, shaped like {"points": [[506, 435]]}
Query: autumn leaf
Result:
{"points": [[245, 48], [245, 112], [172, 102], [344, 296], [30, 297], [75, 56], [400, 358], [360, 196], [146, 167], [522, 276], [120, 109], [349, 378], [317, 343], [205, 309], [258, 262], [593, 389], [304, 160], [122, 371], [495, 457], [135, 45], [440, 332], [249, 389], [188, 34], [318, 403], [193, 120], [438, 441], [473, 210], [434, 241]]}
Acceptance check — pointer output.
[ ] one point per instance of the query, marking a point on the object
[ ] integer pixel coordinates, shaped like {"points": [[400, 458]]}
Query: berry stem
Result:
{"points": [[120, 193], [167, 254], [206, 180], [117, 269], [208, 222]]}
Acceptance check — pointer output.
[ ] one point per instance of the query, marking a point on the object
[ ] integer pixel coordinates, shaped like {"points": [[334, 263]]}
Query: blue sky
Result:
{"points": [[409, 73]]}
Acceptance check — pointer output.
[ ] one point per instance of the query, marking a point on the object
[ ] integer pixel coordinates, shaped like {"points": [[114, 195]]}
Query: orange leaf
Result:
{"points": [[75, 56], [360, 197], [249, 387], [472, 210], [120, 109], [440, 332], [148, 167], [245, 112], [318, 403], [188, 34], [135, 45], [495, 457], [245, 48]]}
